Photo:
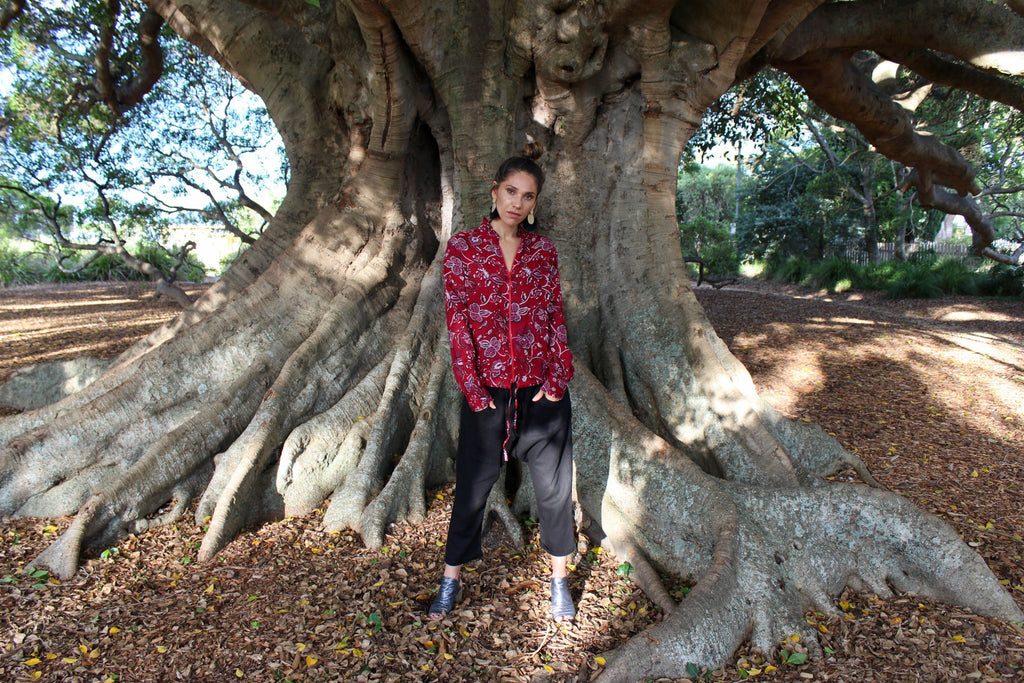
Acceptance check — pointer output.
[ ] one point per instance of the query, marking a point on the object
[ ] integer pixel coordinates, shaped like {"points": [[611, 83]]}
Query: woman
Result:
{"points": [[511, 360]]}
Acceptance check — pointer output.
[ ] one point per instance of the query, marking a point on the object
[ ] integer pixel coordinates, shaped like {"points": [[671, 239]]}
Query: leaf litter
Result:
{"points": [[934, 421]]}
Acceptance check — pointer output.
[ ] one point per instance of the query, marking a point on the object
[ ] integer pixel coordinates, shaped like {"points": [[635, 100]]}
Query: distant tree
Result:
{"points": [[82, 177], [772, 109], [705, 200]]}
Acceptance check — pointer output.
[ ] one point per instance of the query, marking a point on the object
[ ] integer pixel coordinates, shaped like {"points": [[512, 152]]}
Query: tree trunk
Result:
{"points": [[321, 354]]}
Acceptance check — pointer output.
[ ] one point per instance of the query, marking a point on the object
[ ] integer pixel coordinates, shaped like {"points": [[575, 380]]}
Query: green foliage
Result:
{"points": [[67, 163], [924, 276], [1002, 280], [16, 268], [708, 193], [793, 270], [19, 267], [916, 280], [712, 242], [835, 274]]}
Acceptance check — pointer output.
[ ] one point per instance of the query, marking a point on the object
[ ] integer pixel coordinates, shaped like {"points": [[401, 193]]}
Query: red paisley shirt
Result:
{"points": [[503, 326]]}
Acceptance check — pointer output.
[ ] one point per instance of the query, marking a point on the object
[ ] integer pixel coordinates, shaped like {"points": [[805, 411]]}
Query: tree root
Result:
{"points": [[313, 463], [497, 504], [403, 496], [349, 314], [763, 556], [392, 423]]}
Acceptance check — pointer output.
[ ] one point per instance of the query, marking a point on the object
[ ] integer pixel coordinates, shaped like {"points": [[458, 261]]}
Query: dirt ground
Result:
{"points": [[929, 393]]}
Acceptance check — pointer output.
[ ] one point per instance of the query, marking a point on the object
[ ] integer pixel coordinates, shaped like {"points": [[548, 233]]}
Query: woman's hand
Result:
{"points": [[545, 395], [490, 404]]}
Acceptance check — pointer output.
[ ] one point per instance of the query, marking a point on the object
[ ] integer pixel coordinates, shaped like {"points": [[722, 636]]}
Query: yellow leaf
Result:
{"points": [[311, 660], [239, 673], [464, 632], [33, 661], [113, 630], [69, 660], [601, 661], [439, 496], [547, 667], [299, 647], [49, 529], [990, 525], [959, 639], [93, 654], [425, 667], [753, 672], [449, 655], [379, 584], [823, 628], [50, 655], [396, 603], [35, 675], [1005, 582], [161, 649], [844, 604], [632, 605], [974, 473], [768, 669], [83, 649], [316, 551], [209, 589], [357, 652]]}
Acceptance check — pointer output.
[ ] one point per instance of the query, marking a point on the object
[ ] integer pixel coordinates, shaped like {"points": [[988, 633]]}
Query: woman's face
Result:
{"points": [[516, 196]]}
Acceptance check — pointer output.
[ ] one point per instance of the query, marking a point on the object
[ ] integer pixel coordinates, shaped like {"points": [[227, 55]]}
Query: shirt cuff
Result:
{"points": [[478, 399], [555, 391]]}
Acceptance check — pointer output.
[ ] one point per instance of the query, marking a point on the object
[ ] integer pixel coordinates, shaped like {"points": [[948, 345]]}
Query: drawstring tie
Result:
{"points": [[510, 420]]}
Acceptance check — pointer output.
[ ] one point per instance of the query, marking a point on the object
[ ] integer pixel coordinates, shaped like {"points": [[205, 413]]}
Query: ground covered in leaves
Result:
{"points": [[929, 393]]}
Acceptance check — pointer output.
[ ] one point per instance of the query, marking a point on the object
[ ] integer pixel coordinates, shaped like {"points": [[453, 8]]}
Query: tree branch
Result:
{"points": [[982, 33], [122, 98], [841, 88], [152, 66], [930, 196], [960, 76], [11, 11]]}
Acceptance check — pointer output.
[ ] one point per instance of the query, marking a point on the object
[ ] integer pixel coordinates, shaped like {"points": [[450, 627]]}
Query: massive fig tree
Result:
{"points": [[317, 368]]}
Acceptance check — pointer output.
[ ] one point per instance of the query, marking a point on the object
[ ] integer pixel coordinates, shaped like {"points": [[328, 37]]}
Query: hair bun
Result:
{"points": [[532, 150]]}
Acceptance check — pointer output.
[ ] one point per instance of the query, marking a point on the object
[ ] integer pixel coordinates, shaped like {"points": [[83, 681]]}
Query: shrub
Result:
{"points": [[794, 270], [16, 268], [836, 274], [954, 277], [915, 281], [712, 242], [1002, 280]]}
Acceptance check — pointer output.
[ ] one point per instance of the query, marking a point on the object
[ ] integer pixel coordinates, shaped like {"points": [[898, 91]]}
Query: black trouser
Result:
{"points": [[540, 434]]}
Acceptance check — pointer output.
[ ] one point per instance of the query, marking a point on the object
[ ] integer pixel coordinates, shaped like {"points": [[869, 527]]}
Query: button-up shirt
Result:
{"points": [[505, 326]]}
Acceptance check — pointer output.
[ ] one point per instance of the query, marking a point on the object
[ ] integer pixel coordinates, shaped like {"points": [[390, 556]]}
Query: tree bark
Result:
{"points": [[318, 367]]}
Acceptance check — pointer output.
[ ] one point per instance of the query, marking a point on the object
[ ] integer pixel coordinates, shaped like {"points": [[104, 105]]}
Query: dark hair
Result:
{"points": [[522, 162]]}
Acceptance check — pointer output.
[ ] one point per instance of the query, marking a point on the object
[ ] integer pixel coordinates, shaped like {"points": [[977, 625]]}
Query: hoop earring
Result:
{"points": [[529, 218]]}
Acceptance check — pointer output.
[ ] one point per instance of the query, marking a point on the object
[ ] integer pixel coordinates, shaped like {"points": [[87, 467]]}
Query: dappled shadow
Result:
{"points": [[935, 418]]}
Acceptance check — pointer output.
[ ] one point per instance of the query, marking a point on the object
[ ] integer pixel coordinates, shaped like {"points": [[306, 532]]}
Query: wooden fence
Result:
{"points": [[887, 251]]}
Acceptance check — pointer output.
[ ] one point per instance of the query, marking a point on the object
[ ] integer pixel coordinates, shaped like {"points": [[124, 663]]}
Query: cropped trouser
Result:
{"points": [[537, 433]]}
